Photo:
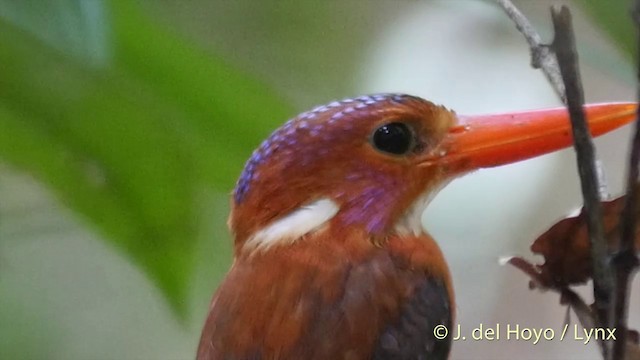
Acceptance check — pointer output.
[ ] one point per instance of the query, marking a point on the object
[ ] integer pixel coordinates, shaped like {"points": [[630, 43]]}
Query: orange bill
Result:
{"points": [[493, 140]]}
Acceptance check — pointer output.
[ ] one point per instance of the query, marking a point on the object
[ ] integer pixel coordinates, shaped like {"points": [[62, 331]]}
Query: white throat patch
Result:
{"points": [[410, 223], [294, 225]]}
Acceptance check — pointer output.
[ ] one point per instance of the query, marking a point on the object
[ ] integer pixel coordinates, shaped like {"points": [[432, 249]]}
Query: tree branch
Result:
{"points": [[561, 58], [625, 261], [541, 56], [565, 49]]}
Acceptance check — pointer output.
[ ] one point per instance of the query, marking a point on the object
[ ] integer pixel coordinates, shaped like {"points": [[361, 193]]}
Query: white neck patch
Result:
{"points": [[410, 223], [294, 225]]}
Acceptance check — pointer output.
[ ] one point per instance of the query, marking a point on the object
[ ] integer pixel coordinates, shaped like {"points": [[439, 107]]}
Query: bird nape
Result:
{"points": [[330, 257]]}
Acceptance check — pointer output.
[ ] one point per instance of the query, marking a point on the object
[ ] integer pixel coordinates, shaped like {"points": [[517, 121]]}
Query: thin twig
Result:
{"points": [[559, 63], [564, 47], [567, 297], [541, 56], [625, 261], [582, 310]]}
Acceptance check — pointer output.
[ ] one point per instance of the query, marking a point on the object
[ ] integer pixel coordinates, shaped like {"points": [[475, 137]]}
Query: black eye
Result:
{"points": [[394, 138]]}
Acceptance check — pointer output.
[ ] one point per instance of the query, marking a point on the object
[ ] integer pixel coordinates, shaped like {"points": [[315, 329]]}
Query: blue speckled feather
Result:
{"points": [[283, 138]]}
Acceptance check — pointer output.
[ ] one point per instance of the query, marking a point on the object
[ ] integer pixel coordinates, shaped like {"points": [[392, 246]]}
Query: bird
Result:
{"points": [[331, 260]]}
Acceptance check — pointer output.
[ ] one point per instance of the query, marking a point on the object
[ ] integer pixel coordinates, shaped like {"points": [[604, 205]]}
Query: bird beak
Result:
{"points": [[492, 140]]}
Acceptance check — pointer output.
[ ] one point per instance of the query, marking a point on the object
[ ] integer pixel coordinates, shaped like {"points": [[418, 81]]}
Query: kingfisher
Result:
{"points": [[330, 257]]}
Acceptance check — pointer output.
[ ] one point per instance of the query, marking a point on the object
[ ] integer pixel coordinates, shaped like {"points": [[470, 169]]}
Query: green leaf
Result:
{"points": [[130, 146], [230, 110], [76, 27], [108, 151]]}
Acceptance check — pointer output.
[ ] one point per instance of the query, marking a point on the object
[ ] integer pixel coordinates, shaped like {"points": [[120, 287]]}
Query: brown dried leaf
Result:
{"points": [[566, 249]]}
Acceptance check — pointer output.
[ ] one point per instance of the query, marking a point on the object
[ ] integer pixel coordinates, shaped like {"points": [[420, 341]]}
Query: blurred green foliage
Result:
{"points": [[131, 136], [610, 16]]}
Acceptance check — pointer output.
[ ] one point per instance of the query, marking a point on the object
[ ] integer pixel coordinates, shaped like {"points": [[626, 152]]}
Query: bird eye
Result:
{"points": [[394, 138]]}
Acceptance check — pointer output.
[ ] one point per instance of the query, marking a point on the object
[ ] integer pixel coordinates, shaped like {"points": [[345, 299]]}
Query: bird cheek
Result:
{"points": [[422, 177], [430, 181]]}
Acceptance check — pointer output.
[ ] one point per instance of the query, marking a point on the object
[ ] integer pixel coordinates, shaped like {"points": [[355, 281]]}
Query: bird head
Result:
{"points": [[372, 163]]}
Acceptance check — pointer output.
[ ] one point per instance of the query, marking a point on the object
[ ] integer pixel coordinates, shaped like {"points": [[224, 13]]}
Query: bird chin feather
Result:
{"points": [[410, 223], [293, 226]]}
